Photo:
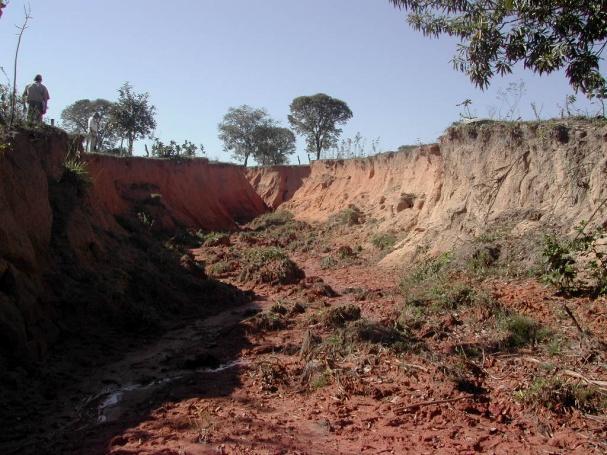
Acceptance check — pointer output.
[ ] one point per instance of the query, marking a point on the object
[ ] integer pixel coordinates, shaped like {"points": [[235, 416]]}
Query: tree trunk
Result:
{"points": [[131, 140], [246, 159], [318, 148]]}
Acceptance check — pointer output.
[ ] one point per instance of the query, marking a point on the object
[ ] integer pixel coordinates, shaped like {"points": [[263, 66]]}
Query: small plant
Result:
{"points": [[146, 219], [383, 241], [338, 316], [465, 105], [216, 239], [265, 322], [555, 346], [321, 380], [560, 396], [279, 308], [372, 332], [522, 331], [345, 252], [76, 173], [412, 317], [328, 262]]}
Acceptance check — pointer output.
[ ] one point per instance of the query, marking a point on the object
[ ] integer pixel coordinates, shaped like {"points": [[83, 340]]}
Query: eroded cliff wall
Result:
{"points": [[80, 256], [277, 184], [524, 175], [193, 193]]}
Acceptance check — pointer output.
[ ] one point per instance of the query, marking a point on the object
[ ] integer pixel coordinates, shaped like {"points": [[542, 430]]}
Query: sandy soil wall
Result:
{"points": [[277, 184], [479, 175]]}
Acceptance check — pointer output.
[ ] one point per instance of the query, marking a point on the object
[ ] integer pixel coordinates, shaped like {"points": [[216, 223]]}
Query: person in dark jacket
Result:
{"points": [[36, 96]]}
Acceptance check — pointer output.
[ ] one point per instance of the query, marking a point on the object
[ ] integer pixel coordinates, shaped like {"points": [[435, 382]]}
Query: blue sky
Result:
{"points": [[197, 58]]}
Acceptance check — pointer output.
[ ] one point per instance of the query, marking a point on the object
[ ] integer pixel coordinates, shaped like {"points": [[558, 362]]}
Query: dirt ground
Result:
{"points": [[347, 360]]}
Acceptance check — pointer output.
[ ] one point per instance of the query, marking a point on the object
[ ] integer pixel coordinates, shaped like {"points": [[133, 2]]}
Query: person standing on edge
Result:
{"points": [[2, 5], [93, 133], [36, 95]]}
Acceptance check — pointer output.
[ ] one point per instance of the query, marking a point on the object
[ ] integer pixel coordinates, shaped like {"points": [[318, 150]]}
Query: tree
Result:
{"points": [[174, 150], [274, 144], [27, 16], [240, 131], [75, 117], [544, 35], [317, 117], [133, 115]]}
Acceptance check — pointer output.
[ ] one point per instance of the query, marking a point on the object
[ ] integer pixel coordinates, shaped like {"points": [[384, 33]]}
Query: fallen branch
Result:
{"points": [[574, 319], [573, 374]]}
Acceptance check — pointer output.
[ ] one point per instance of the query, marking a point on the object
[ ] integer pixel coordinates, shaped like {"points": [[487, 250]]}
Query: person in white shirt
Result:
{"points": [[93, 132]]}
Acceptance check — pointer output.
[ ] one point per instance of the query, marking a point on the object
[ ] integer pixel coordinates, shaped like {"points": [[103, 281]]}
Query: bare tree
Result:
{"points": [[28, 15]]}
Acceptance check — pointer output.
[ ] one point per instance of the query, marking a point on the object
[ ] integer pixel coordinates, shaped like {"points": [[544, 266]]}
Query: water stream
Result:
{"points": [[113, 399]]}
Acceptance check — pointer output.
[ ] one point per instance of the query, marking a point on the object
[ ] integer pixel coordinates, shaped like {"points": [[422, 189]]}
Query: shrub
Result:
{"points": [[578, 264], [350, 216], [559, 264], [219, 268], [268, 220], [383, 241], [484, 258], [269, 265], [345, 252], [429, 269]]}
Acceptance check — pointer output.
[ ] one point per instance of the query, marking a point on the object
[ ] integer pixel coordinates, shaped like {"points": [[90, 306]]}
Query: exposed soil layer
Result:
{"points": [[191, 192], [528, 175]]}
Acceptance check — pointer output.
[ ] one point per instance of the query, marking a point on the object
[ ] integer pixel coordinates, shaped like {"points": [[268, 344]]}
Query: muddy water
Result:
{"points": [[116, 401]]}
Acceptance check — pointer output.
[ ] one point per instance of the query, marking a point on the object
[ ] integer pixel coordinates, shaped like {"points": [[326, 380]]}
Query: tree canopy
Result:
{"points": [[274, 145], [239, 130], [316, 117], [545, 35], [74, 119], [133, 115]]}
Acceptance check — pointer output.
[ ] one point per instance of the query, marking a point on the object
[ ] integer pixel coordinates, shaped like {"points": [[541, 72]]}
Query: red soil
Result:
{"points": [[378, 402]]}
